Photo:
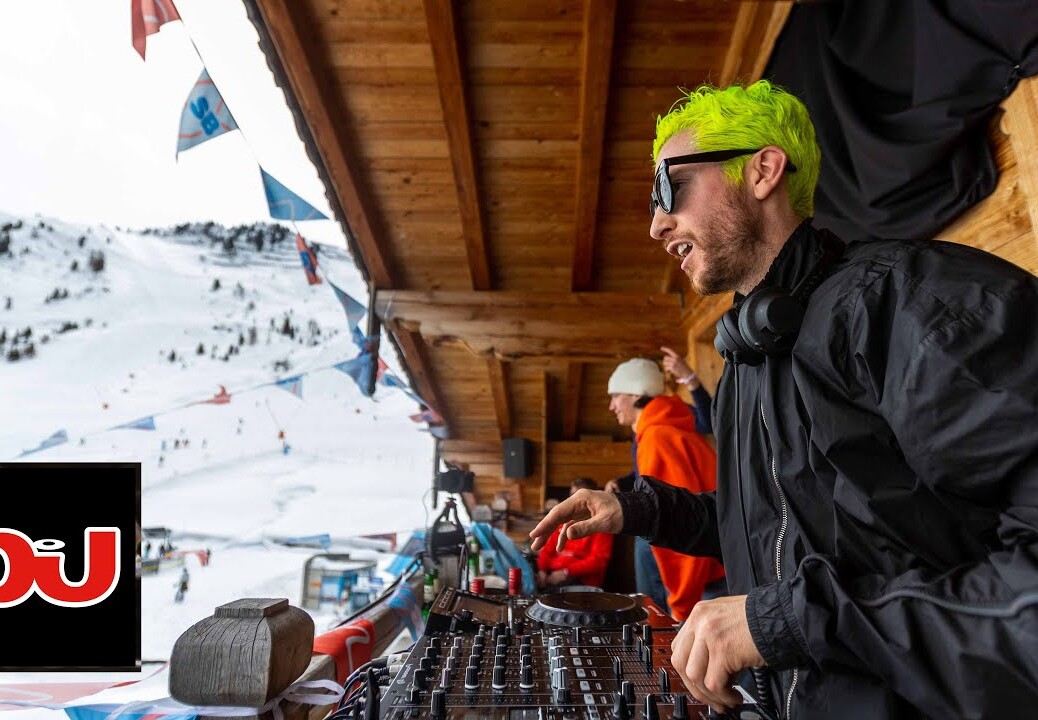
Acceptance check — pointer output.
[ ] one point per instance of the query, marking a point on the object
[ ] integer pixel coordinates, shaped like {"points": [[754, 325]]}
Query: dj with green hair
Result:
{"points": [[877, 494]]}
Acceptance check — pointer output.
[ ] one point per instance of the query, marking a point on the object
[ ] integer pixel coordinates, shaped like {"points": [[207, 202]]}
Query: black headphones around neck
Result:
{"points": [[768, 320]]}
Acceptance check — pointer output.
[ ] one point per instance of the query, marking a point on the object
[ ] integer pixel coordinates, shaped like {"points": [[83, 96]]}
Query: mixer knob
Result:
{"points": [[664, 681], [651, 711], [451, 664], [562, 685], [647, 657], [466, 615], [445, 678], [477, 648], [458, 641], [554, 640], [471, 677], [627, 690], [628, 634], [620, 711], [499, 629], [498, 682], [525, 660], [647, 634], [562, 695], [680, 707], [618, 668], [526, 677], [500, 659], [438, 703], [420, 677], [576, 635], [556, 663], [414, 695], [434, 643], [425, 663], [517, 626]]}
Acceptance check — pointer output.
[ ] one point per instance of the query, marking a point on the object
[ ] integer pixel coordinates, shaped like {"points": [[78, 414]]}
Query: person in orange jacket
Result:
{"points": [[581, 562], [668, 449]]}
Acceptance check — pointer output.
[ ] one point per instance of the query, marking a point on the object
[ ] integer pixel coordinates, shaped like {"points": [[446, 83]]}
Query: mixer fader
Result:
{"points": [[564, 656]]}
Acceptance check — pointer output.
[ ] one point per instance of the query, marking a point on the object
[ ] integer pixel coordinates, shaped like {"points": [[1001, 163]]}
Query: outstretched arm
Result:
{"points": [[581, 514]]}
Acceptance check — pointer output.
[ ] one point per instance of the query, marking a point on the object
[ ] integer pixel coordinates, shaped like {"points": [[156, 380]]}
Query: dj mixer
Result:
{"points": [[562, 656]]}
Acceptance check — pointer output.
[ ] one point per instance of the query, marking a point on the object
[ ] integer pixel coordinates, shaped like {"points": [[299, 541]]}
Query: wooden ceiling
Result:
{"points": [[490, 161]]}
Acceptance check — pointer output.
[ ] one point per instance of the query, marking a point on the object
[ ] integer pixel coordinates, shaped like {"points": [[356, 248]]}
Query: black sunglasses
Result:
{"points": [[663, 194]]}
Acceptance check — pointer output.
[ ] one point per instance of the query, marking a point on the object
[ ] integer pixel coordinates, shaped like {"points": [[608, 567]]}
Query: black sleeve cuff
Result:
{"points": [[774, 627], [639, 512]]}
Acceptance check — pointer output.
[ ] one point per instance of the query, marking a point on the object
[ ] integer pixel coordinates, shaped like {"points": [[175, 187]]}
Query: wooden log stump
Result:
{"points": [[247, 653]]}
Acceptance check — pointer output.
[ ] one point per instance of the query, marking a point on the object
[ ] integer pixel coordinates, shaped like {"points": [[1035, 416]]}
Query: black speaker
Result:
{"points": [[518, 457]]}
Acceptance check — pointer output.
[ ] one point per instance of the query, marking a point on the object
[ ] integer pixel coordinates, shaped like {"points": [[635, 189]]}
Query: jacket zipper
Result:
{"points": [[778, 546]]}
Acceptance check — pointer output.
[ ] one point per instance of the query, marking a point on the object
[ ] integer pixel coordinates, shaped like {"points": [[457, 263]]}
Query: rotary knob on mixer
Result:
{"points": [[438, 703], [498, 680], [471, 677], [526, 677]]}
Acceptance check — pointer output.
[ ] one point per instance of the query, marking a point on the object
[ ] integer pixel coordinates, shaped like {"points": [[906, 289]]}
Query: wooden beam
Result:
{"points": [[298, 53], [422, 380], [1021, 123], [571, 400], [515, 324], [499, 389], [757, 27], [599, 27], [701, 316], [545, 405], [441, 19]]}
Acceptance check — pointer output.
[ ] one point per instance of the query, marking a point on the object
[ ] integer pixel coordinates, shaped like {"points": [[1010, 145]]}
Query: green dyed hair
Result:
{"points": [[749, 116]]}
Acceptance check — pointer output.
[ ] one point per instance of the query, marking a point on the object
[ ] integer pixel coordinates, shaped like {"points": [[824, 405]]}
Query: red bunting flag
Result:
{"points": [[221, 398], [146, 17], [309, 259]]}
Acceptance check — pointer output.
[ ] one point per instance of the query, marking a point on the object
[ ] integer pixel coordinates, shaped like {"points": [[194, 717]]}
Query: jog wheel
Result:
{"points": [[586, 609]]}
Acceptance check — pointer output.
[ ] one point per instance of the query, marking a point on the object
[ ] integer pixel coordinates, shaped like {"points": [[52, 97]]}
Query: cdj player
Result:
{"points": [[564, 656]]}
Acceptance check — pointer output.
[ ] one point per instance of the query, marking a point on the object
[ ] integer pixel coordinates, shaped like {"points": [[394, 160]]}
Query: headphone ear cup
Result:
{"points": [[729, 342], [769, 320]]}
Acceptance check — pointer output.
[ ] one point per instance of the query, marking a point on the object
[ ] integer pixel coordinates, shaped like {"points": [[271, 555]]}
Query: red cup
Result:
{"points": [[515, 580], [477, 586]]}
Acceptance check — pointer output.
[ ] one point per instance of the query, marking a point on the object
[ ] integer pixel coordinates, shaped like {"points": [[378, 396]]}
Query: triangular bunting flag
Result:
{"points": [[427, 415], [293, 384], [354, 309], [144, 423], [221, 398], [151, 710], [285, 204], [390, 380], [58, 438], [358, 368], [146, 17], [205, 115], [309, 260], [359, 338]]}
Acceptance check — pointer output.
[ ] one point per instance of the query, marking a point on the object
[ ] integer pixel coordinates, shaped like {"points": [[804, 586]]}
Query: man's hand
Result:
{"points": [[712, 646], [612, 486], [542, 578], [676, 366], [583, 513]]}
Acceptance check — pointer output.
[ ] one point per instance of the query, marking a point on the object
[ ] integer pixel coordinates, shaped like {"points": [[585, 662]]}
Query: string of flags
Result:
{"points": [[205, 116]]}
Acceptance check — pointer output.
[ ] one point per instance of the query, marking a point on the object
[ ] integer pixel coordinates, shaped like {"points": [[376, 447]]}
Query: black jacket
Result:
{"points": [[878, 488]]}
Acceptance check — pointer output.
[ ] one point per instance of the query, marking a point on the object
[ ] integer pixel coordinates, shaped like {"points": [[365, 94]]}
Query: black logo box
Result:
{"points": [[58, 501]]}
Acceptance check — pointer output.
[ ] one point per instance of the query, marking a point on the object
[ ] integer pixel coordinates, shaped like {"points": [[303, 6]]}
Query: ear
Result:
{"points": [[765, 171]]}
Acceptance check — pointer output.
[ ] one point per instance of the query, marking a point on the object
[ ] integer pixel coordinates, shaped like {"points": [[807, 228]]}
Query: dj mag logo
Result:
{"points": [[38, 567]]}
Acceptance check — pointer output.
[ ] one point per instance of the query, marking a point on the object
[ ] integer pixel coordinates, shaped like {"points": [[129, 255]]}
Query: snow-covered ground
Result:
{"points": [[218, 475]]}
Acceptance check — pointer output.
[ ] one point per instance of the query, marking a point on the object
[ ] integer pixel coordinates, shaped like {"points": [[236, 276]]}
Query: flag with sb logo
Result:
{"points": [[205, 115]]}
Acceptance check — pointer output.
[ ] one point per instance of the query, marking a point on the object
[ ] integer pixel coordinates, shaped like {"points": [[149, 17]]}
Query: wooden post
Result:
{"points": [[245, 654]]}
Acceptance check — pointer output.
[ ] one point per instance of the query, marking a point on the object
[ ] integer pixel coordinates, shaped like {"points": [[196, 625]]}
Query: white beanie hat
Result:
{"points": [[636, 377]]}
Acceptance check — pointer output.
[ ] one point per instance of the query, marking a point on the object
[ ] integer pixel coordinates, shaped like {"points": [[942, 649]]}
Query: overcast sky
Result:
{"points": [[88, 130]]}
